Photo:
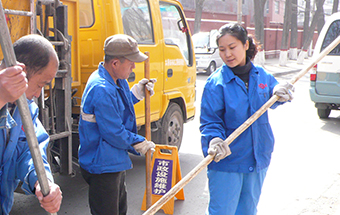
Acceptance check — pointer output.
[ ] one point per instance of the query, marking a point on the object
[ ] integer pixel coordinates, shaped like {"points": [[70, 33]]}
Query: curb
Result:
{"points": [[278, 74]]}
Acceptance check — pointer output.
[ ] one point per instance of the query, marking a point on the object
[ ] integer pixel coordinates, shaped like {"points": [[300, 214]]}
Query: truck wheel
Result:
{"points": [[324, 113], [211, 68], [171, 130]]}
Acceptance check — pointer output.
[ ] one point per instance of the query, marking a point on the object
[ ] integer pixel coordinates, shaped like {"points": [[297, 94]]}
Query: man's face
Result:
{"points": [[37, 81], [122, 70]]}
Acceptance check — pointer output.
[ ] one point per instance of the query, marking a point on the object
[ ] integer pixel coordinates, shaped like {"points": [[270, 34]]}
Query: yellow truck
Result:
{"points": [[78, 29]]}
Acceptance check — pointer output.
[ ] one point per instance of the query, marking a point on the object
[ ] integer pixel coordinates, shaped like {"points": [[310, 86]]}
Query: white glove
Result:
{"points": [[284, 91], [143, 147], [219, 148], [138, 89]]}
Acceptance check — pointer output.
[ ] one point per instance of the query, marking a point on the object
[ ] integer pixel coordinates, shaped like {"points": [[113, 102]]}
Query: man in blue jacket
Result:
{"points": [[107, 126], [39, 64]]}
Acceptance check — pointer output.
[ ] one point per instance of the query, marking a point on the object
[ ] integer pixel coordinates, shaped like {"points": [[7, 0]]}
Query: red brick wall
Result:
{"points": [[273, 31]]}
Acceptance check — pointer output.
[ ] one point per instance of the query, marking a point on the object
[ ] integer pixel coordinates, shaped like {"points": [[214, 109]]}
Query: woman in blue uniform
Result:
{"points": [[231, 95]]}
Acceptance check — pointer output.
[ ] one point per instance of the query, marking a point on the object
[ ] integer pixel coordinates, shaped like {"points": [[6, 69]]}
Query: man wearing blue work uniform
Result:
{"points": [[107, 126], [39, 64]]}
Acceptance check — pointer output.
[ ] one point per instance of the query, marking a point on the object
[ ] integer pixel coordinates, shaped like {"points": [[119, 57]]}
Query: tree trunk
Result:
{"points": [[239, 12], [321, 20], [335, 6], [310, 32], [306, 20], [258, 17], [198, 15], [285, 33], [259, 29], [293, 32]]}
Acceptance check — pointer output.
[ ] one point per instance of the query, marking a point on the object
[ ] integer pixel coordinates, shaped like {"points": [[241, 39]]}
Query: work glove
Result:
{"points": [[219, 148], [143, 147], [138, 89], [284, 91]]}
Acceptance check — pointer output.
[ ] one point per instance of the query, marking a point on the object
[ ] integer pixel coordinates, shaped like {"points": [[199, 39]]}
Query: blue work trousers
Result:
{"points": [[234, 193]]}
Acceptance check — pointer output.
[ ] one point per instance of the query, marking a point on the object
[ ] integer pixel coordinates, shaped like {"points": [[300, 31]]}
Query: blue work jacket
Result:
{"points": [[227, 104], [16, 160], [107, 126]]}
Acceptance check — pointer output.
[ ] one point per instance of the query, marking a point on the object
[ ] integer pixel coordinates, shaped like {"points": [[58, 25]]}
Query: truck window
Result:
{"points": [[173, 35], [332, 33], [86, 18], [136, 20]]}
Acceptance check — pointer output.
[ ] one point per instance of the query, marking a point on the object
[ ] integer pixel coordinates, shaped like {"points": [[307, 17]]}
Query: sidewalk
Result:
{"points": [[272, 66]]}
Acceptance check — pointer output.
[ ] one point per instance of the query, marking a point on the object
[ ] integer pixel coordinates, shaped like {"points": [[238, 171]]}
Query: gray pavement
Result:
{"points": [[272, 66]]}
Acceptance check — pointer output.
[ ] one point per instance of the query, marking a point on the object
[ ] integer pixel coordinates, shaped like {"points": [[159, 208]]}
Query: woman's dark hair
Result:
{"points": [[236, 30], [35, 52]]}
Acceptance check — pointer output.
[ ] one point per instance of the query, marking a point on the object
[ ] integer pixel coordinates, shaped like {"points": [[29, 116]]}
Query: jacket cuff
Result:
{"points": [[31, 179]]}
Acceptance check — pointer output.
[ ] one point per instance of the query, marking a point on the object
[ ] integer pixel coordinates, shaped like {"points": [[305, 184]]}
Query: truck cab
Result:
{"points": [[160, 28], [78, 29]]}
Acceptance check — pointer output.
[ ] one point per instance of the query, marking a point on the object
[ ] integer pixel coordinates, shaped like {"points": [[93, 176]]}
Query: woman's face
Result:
{"points": [[232, 51]]}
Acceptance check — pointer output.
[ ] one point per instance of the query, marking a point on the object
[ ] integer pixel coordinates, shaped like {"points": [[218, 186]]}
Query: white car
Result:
{"points": [[206, 52], [325, 78]]}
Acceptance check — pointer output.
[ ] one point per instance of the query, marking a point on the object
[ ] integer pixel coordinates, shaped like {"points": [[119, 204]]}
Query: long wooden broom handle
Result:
{"points": [[175, 189], [147, 134], [10, 60]]}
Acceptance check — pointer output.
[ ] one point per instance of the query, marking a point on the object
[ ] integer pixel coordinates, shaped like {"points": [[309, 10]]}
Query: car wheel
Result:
{"points": [[324, 113], [171, 129], [211, 68]]}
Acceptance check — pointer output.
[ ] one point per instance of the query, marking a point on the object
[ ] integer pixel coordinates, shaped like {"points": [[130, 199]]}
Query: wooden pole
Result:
{"points": [[205, 162], [10, 60], [147, 134]]}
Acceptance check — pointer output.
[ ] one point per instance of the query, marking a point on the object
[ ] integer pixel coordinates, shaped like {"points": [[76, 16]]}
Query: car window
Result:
{"points": [[332, 33], [200, 40], [136, 18], [86, 17], [174, 29]]}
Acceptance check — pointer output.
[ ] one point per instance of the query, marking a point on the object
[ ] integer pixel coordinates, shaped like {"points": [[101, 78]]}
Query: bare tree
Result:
{"points": [[285, 33], [198, 15], [258, 17], [293, 31], [335, 6], [321, 20], [259, 28], [306, 19], [310, 31]]}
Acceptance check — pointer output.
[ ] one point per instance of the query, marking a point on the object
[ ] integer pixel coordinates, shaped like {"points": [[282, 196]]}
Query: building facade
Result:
{"points": [[219, 12]]}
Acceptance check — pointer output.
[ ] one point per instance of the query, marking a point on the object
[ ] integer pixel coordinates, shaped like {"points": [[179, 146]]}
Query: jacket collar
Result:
{"points": [[229, 75], [106, 75], [6, 119]]}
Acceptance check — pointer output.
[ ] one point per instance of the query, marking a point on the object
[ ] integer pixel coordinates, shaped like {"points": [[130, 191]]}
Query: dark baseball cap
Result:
{"points": [[125, 46]]}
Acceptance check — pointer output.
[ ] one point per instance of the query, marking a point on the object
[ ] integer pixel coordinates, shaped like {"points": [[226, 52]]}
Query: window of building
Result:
{"points": [[277, 7]]}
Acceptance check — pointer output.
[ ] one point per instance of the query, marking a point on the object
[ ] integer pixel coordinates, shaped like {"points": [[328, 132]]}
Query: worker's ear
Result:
{"points": [[114, 62], [246, 45]]}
